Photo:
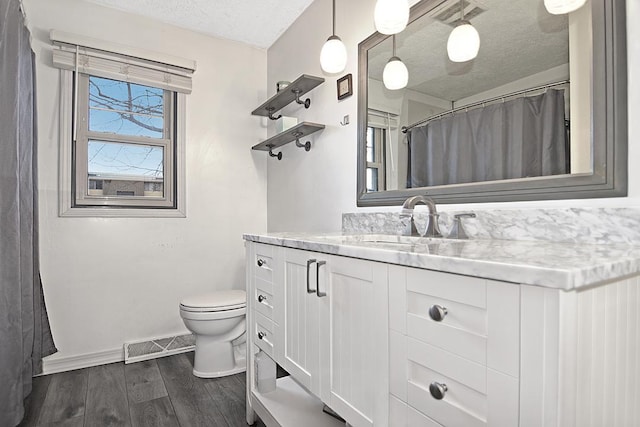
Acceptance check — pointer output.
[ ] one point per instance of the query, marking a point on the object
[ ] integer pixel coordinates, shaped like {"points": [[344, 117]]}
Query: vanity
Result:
{"points": [[392, 330]]}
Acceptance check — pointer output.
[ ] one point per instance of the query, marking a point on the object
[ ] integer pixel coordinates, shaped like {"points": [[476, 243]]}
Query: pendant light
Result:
{"points": [[333, 56], [391, 16], [395, 74], [558, 7], [464, 40]]}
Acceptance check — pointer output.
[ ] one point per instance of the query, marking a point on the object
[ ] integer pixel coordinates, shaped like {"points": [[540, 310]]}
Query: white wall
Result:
{"points": [[310, 191], [111, 280]]}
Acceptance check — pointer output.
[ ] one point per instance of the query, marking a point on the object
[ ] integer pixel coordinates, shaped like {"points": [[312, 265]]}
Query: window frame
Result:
{"points": [[68, 180], [84, 135], [379, 136]]}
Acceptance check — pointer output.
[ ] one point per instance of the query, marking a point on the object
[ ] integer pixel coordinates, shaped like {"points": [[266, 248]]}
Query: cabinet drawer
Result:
{"points": [[464, 403], [476, 395], [471, 291], [264, 333], [263, 262], [453, 410], [263, 300], [466, 372]]}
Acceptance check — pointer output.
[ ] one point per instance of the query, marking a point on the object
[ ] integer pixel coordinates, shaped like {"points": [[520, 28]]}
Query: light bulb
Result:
{"points": [[391, 16], [395, 74], [463, 43], [333, 56], [558, 7]]}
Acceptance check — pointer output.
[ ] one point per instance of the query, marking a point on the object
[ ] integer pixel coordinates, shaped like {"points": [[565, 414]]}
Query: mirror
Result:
{"points": [[539, 113]]}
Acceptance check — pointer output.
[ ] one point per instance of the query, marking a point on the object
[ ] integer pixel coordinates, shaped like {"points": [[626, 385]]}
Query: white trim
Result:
{"points": [[75, 39], [65, 208], [52, 365]]}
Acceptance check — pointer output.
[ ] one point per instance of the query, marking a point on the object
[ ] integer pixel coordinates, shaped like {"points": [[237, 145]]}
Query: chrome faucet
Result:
{"points": [[432, 229]]}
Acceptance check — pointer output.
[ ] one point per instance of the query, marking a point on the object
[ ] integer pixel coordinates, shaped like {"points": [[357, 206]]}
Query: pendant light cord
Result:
{"points": [[334, 17], [394, 44], [461, 10]]}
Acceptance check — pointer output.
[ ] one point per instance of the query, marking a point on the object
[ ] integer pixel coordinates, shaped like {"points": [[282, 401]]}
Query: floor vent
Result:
{"points": [[138, 351]]}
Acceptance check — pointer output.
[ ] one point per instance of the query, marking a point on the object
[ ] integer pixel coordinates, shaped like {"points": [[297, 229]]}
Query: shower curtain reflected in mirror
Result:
{"points": [[25, 336], [523, 137]]}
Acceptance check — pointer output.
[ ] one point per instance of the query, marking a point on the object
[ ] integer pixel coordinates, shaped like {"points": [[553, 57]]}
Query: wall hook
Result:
{"points": [[272, 154], [306, 102], [271, 116], [306, 145]]}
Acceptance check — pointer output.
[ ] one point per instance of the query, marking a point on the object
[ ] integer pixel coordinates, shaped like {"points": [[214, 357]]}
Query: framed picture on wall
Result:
{"points": [[345, 87]]}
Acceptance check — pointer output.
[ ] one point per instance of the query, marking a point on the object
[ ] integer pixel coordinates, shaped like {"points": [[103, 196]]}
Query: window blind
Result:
{"points": [[112, 61], [381, 119]]}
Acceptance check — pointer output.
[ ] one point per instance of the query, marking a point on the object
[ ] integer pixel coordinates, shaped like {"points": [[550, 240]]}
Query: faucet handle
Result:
{"points": [[457, 230]]}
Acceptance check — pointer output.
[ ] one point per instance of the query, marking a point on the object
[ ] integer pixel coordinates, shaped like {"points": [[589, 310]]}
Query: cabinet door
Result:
{"points": [[297, 334], [354, 339]]}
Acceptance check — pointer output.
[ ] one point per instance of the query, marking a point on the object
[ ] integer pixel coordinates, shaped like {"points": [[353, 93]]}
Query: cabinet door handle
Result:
{"points": [[261, 262], [318, 292], [309, 262], [437, 312], [261, 335], [261, 298], [438, 390]]}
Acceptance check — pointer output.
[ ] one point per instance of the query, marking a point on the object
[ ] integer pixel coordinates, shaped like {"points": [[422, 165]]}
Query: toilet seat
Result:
{"points": [[215, 301]]}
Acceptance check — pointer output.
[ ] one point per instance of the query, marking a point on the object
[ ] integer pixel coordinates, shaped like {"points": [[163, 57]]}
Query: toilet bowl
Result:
{"points": [[217, 319]]}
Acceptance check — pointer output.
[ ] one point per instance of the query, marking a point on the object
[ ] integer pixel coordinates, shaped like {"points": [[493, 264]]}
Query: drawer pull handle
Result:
{"points": [[437, 312], [261, 335], [438, 390], [261, 298], [261, 262], [319, 293], [309, 262]]}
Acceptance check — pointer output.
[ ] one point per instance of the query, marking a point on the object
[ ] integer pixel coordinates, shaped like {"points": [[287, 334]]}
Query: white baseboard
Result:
{"points": [[53, 365]]}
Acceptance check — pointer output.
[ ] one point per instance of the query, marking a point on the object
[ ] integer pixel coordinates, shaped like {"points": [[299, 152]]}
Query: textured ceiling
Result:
{"points": [[255, 22], [518, 38]]}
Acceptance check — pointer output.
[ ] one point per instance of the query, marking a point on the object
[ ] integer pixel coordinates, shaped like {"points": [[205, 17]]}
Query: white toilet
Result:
{"points": [[217, 320]]}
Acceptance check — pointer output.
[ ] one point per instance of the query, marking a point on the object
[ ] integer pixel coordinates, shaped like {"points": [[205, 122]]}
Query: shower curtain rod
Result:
{"points": [[486, 101]]}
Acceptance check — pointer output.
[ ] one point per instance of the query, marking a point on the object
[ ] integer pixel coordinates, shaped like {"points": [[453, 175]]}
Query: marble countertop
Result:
{"points": [[564, 266]]}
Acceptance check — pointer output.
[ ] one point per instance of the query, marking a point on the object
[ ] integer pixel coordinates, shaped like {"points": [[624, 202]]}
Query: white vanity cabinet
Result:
{"points": [[299, 319], [328, 329], [454, 346], [354, 358], [400, 346], [332, 331]]}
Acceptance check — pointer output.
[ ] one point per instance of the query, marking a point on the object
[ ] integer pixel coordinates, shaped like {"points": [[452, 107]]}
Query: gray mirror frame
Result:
{"points": [[609, 128]]}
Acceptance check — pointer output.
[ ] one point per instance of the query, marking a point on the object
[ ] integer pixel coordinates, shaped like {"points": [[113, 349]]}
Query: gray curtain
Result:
{"points": [[25, 336], [520, 138]]}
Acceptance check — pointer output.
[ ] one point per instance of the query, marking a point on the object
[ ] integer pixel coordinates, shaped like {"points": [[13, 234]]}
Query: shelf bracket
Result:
{"points": [[271, 116], [306, 102], [272, 154], [306, 145]]}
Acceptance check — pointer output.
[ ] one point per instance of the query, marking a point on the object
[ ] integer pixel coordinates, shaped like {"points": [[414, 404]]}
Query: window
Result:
{"points": [[375, 159], [125, 145], [122, 136]]}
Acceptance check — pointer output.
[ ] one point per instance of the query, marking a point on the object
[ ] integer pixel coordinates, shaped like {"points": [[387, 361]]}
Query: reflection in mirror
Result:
{"points": [[517, 113]]}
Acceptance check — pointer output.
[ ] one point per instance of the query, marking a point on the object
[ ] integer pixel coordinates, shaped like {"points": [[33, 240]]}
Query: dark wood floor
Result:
{"points": [[160, 392]]}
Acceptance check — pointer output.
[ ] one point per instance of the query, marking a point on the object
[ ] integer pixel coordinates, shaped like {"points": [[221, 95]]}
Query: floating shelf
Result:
{"points": [[292, 134], [297, 88]]}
